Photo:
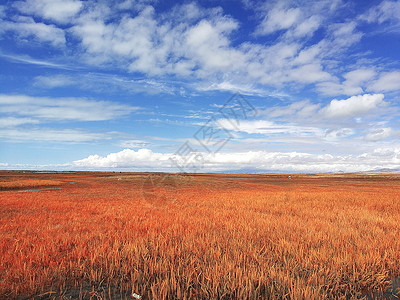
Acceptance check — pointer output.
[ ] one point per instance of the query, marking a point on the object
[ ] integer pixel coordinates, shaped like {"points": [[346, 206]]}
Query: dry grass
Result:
{"points": [[27, 183], [221, 237]]}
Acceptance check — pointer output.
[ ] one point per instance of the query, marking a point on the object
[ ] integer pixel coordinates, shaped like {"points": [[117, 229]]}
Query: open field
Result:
{"points": [[204, 236]]}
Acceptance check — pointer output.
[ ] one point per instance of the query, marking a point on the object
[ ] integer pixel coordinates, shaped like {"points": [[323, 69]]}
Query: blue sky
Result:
{"points": [[129, 85]]}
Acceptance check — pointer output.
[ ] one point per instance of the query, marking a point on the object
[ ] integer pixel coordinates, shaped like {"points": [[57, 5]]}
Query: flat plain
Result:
{"points": [[88, 235]]}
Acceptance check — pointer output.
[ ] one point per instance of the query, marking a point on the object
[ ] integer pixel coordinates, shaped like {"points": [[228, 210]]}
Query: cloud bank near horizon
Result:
{"points": [[145, 160]]}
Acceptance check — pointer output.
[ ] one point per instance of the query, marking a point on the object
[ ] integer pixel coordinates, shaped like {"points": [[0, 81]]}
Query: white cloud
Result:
{"points": [[338, 134], [134, 4], [2, 11], [54, 81], [343, 36], [333, 88], [209, 46], [60, 11], [307, 27], [338, 122], [133, 144], [12, 122], [359, 76], [244, 89], [387, 82], [126, 158], [268, 128], [309, 73], [120, 42], [385, 11], [145, 159], [191, 46], [354, 83], [302, 109], [353, 106], [29, 60], [278, 132], [278, 18], [350, 112], [102, 83], [52, 135], [26, 27], [379, 134], [192, 42], [295, 20], [62, 109]]}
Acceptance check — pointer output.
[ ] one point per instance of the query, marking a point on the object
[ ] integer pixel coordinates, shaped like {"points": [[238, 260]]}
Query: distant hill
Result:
{"points": [[384, 170]]}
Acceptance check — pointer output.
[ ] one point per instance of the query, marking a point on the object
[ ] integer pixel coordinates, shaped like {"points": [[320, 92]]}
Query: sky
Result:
{"points": [[202, 86]]}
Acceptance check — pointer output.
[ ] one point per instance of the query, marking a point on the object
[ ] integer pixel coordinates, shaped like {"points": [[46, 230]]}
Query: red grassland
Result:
{"points": [[203, 236]]}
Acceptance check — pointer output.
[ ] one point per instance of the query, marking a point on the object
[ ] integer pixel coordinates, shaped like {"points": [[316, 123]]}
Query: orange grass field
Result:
{"points": [[204, 236]]}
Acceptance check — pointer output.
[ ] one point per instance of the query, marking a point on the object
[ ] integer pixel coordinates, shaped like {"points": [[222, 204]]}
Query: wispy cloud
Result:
{"points": [[109, 83], [29, 60], [387, 82], [12, 121], [386, 11], [62, 109], [52, 135], [133, 144]]}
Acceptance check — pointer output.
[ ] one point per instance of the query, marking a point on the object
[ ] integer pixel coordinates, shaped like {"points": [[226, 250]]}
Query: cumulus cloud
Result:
{"points": [[209, 45], [126, 158], [61, 11], [62, 109], [353, 106], [162, 47], [145, 159]]}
